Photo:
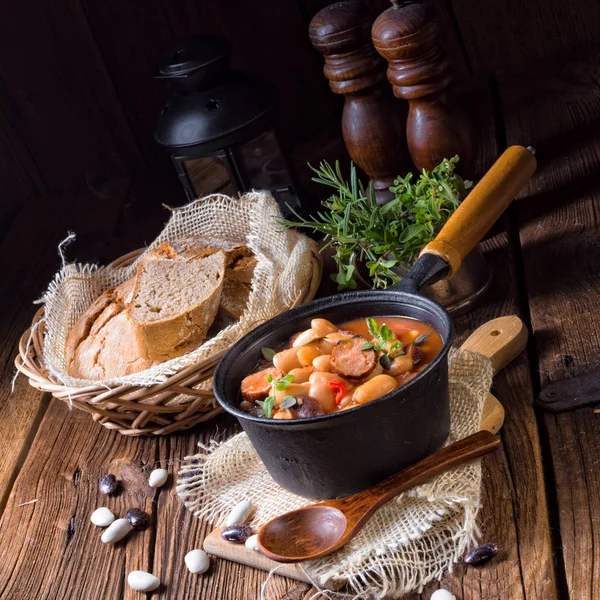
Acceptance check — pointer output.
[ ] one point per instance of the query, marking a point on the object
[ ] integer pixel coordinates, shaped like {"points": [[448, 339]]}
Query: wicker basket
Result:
{"points": [[134, 410]]}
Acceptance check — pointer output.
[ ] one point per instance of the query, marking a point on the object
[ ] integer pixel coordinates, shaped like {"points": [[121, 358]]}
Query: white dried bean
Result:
{"points": [[321, 363], [102, 517], [324, 395], [252, 543], [239, 513], [374, 388], [305, 338], [286, 360], [302, 374], [158, 478], [197, 561], [142, 581], [442, 595], [116, 531], [323, 326]]}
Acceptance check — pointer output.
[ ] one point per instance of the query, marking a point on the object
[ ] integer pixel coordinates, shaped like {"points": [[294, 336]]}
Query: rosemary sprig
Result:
{"points": [[382, 237]]}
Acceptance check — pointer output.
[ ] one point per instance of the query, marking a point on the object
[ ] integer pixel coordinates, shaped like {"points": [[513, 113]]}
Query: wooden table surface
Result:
{"points": [[541, 492]]}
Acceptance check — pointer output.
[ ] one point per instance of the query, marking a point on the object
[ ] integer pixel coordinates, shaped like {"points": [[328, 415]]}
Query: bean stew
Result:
{"points": [[327, 368]]}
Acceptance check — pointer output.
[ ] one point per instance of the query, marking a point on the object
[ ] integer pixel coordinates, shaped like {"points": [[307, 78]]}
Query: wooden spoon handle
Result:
{"points": [[458, 453], [482, 207]]}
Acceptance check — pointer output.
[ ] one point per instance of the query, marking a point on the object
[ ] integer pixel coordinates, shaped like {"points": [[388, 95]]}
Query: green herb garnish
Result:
{"points": [[267, 405], [384, 343], [288, 402], [420, 339], [281, 384], [382, 237], [268, 353]]}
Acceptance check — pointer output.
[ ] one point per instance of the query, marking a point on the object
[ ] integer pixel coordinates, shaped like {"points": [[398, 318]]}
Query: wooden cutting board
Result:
{"points": [[501, 340]]}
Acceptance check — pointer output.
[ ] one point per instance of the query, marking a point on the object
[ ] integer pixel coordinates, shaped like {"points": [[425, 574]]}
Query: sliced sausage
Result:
{"points": [[348, 360], [256, 386]]}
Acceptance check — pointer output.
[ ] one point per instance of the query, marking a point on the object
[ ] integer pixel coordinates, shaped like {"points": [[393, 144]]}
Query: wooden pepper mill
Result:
{"points": [[373, 124], [407, 35]]}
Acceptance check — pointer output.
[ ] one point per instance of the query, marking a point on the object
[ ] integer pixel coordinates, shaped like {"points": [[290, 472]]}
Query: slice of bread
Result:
{"points": [[175, 302]]}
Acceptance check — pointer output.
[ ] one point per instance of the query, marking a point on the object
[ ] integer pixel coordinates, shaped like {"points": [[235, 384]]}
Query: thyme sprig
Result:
{"points": [[382, 237]]}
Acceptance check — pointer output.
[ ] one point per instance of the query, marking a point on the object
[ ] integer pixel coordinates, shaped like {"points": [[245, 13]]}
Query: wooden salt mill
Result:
{"points": [[407, 35], [373, 124]]}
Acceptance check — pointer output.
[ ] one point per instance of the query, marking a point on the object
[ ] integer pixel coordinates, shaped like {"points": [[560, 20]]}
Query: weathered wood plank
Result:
{"points": [[50, 549], [514, 513], [31, 244], [498, 35], [560, 233]]}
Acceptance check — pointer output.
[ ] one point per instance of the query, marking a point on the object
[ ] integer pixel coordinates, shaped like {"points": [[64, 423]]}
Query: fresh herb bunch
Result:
{"points": [[388, 236]]}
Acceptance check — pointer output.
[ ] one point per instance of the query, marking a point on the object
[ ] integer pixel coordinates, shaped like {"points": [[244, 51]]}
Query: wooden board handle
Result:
{"points": [[501, 340], [482, 207]]}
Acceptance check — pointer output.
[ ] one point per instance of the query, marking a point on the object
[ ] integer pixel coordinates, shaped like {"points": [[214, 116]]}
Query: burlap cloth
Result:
{"points": [[283, 272], [410, 541]]}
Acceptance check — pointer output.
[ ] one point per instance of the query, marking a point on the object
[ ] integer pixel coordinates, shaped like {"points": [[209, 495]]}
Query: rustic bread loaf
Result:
{"points": [[178, 295], [175, 302], [102, 343]]}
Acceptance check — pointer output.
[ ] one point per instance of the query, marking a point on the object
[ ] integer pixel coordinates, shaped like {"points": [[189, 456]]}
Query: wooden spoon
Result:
{"points": [[317, 530]]}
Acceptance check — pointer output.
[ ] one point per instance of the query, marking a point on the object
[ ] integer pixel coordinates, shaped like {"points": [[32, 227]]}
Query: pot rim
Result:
{"points": [[310, 309]]}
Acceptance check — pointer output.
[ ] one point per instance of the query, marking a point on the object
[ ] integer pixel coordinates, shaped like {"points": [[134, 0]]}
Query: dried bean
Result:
{"points": [[239, 513], [116, 531], [442, 594], [108, 484], [142, 581], [138, 518], [480, 554], [158, 478], [309, 407], [197, 561], [102, 517], [237, 533], [252, 543]]}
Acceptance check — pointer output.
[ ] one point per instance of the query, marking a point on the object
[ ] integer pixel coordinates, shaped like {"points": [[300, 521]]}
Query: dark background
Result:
{"points": [[78, 101]]}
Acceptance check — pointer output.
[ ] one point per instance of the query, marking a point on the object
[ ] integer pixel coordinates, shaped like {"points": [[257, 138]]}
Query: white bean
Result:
{"points": [[102, 517], [239, 513], [286, 360], [197, 561], [442, 595], [323, 326], [142, 581], [252, 543], [302, 374], [158, 478], [305, 338], [116, 531], [374, 388], [324, 395], [321, 363]]}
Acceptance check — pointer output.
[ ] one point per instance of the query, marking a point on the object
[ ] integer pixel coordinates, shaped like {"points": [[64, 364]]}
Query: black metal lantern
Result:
{"points": [[217, 124]]}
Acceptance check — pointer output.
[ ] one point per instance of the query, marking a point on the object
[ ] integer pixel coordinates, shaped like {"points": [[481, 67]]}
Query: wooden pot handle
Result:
{"points": [[482, 207]]}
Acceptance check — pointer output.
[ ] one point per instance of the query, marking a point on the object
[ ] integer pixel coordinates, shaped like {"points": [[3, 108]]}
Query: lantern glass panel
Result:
{"points": [[264, 167], [208, 175]]}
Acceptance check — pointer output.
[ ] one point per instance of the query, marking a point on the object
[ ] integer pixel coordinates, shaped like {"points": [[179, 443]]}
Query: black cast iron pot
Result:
{"points": [[343, 453]]}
